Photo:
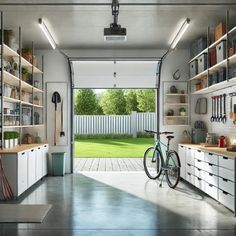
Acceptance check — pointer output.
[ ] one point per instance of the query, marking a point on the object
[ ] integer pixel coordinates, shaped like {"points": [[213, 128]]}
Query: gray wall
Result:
{"points": [[56, 70]]}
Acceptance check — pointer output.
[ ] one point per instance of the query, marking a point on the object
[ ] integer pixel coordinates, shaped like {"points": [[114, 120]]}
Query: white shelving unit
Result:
{"points": [[174, 101]]}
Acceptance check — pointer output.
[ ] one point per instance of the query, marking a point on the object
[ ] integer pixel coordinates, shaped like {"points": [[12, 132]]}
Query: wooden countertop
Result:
{"points": [[214, 150], [21, 148]]}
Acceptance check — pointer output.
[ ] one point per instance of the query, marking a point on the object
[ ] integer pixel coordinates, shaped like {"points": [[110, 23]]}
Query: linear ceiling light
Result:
{"points": [[180, 33], [47, 33]]}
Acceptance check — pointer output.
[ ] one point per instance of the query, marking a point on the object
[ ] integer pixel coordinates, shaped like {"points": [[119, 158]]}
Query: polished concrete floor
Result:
{"points": [[120, 203]]}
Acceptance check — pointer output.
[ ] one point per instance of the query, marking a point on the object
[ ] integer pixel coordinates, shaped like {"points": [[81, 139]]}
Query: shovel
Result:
{"points": [[62, 133], [56, 98]]}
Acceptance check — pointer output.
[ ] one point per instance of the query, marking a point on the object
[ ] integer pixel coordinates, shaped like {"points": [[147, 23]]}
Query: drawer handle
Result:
{"points": [[23, 153], [32, 150], [225, 180], [199, 179], [199, 169], [210, 185], [210, 154], [210, 164], [198, 150], [189, 148], [198, 160], [188, 164], [188, 173], [210, 174], [226, 158], [225, 193], [45, 145], [39, 147]]}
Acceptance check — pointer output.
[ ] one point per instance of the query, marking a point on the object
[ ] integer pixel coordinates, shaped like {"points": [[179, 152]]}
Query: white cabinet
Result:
{"points": [[211, 191], [22, 170], [182, 156], [39, 163], [31, 167], [190, 156], [226, 199], [211, 158], [199, 155], [226, 162], [45, 159]]}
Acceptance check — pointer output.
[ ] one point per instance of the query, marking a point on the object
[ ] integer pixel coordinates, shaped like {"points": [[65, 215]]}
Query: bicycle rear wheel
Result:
{"points": [[172, 169], [152, 163]]}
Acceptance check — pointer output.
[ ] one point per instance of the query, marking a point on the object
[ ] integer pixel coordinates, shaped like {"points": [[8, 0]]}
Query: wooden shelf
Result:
{"points": [[37, 90], [177, 125], [232, 59], [218, 86], [37, 70], [200, 75], [8, 52], [11, 126], [218, 41], [176, 94], [198, 55], [217, 66], [11, 115], [12, 100], [10, 79], [38, 106], [26, 87], [26, 103]]}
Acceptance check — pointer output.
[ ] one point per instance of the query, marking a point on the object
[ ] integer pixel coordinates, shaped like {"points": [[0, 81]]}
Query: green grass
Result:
{"points": [[130, 147]]}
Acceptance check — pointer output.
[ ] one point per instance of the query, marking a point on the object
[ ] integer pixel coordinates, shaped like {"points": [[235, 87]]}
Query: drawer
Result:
{"points": [[199, 164], [210, 168], [226, 162], [211, 190], [189, 168], [226, 185], [226, 199], [190, 156], [212, 179], [199, 173], [211, 158], [226, 174], [199, 155], [190, 178], [199, 183]]}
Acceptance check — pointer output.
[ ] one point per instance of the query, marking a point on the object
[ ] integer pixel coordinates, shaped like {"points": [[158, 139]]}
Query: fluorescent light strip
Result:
{"points": [[47, 33], [180, 33]]}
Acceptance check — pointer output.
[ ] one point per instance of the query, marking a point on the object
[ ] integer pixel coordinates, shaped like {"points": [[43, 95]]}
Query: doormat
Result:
{"points": [[17, 213]]}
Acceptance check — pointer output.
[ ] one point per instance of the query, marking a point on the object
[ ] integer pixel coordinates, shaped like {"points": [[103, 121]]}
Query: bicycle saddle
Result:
{"points": [[170, 137]]}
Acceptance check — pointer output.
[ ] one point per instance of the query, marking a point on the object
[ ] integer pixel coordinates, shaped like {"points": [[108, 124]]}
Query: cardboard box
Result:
{"points": [[212, 57], [220, 30]]}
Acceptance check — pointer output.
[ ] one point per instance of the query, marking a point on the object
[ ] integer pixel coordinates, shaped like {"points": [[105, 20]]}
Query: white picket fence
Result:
{"points": [[114, 124]]}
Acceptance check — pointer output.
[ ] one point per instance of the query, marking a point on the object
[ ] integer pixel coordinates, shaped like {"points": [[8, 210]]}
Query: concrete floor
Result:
{"points": [[122, 203]]}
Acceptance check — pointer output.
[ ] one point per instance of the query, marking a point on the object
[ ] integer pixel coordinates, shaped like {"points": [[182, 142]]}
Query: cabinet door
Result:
{"points": [[182, 156], [39, 163], [190, 155], [31, 167], [45, 159], [22, 172]]}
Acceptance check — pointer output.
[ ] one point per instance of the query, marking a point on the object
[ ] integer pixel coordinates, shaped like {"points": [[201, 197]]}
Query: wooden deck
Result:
{"points": [[108, 164]]}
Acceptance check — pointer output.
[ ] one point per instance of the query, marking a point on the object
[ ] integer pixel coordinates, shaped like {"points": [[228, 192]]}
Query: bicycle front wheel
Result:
{"points": [[152, 163], [172, 169]]}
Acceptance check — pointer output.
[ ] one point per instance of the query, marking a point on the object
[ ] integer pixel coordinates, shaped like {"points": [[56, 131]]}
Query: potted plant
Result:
{"points": [[7, 137], [24, 73], [182, 111], [11, 139]]}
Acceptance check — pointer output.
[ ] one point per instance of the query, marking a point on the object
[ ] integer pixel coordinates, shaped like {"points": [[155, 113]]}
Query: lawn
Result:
{"points": [[130, 147]]}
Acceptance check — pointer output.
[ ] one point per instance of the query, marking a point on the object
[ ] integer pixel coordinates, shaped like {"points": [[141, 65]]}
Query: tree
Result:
{"points": [[131, 100], [146, 100], [113, 102], [86, 102]]}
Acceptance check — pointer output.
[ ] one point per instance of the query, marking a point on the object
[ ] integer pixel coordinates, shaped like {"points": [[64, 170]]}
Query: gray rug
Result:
{"points": [[17, 213]]}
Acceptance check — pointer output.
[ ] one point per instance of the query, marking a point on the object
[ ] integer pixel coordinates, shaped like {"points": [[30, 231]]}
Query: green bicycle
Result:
{"points": [[154, 162]]}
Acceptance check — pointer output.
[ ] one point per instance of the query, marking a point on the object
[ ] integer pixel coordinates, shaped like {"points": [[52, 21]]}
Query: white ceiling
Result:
{"points": [[148, 27]]}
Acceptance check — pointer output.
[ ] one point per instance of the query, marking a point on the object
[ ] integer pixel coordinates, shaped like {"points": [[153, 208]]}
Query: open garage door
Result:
{"points": [[115, 74]]}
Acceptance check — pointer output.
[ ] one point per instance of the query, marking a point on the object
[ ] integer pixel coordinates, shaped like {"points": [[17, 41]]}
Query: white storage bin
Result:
{"points": [[193, 68], [212, 179], [221, 51], [199, 183], [227, 185], [211, 190], [199, 155], [226, 162], [189, 168], [210, 168], [199, 164], [199, 173], [226, 199], [226, 174], [211, 158], [202, 62], [190, 156], [190, 178]]}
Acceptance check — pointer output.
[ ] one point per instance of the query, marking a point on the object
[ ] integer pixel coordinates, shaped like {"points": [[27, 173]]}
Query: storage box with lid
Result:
{"points": [[193, 68], [220, 51], [202, 62], [220, 30], [201, 44]]}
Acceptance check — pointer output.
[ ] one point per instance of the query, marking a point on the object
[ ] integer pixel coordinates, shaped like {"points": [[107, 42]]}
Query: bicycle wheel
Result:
{"points": [[152, 163], [172, 169]]}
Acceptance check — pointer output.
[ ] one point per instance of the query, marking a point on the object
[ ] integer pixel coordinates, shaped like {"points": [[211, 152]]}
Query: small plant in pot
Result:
{"points": [[7, 136], [16, 138], [11, 139], [24, 73], [182, 111]]}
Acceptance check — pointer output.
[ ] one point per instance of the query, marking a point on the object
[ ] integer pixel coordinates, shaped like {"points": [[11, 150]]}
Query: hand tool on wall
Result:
{"points": [[62, 133], [224, 117], [231, 107], [56, 98], [217, 108], [220, 108], [212, 109], [234, 116]]}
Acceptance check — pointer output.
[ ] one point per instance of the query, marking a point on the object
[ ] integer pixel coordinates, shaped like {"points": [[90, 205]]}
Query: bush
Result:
{"points": [[102, 136], [144, 135]]}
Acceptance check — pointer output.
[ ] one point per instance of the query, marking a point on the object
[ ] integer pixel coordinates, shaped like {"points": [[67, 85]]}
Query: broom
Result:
{"points": [[6, 188]]}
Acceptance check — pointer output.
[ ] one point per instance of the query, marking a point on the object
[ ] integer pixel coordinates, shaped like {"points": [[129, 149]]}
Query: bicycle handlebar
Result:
{"points": [[154, 132]]}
